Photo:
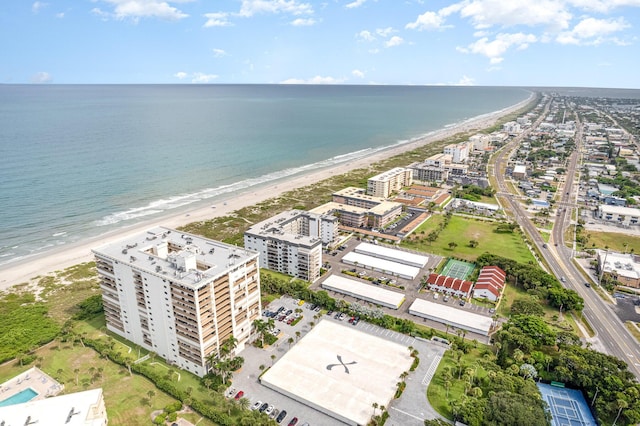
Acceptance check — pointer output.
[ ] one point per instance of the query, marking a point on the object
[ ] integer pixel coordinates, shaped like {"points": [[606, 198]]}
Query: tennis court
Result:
{"points": [[567, 406], [457, 269]]}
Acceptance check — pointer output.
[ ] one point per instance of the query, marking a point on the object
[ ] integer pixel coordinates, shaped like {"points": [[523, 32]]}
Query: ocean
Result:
{"points": [[82, 160]]}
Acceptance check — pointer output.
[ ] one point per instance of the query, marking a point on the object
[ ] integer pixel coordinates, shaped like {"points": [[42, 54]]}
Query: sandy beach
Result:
{"points": [[26, 270]]}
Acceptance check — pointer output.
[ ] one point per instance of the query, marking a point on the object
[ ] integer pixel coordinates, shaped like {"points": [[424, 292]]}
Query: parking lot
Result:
{"points": [[411, 291], [246, 380]]}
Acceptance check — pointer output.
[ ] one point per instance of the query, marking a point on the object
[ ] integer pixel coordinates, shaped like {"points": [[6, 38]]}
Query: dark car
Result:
{"points": [[281, 416], [293, 421], [263, 407], [587, 285], [462, 303]]}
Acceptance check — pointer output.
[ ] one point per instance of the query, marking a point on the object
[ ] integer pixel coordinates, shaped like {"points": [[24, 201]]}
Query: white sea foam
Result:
{"points": [[162, 205]]}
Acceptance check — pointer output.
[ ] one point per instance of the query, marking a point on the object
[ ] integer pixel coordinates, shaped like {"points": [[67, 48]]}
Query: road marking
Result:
{"points": [[432, 370], [407, 414]]}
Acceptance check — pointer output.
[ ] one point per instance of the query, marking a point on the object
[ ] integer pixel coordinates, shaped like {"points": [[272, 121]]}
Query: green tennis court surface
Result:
{"points": [[457, 269]]}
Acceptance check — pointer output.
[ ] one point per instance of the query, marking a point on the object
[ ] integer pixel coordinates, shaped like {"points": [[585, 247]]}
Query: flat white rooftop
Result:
{"points": [[394, 255], [382, 265], [449, 315], [368, 292], [79, 409], [340, 371]]}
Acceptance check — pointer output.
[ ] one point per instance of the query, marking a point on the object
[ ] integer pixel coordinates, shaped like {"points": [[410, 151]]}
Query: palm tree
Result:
{"points": [[151, 393], [298, 335], [261, 329], [447, 386], [290, 341], [273, 358], [244, 403], [375, 406], [621, 404]]}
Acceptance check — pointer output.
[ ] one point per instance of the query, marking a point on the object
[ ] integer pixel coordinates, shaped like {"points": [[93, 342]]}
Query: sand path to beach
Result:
{"points": [[26, 270]]}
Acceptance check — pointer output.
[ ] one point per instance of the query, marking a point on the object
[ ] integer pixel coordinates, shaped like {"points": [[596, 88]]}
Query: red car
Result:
{"points": [[293, 421], [239, 395]]}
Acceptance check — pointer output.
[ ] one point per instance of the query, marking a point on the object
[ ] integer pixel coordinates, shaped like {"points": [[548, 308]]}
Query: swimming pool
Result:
{"points": [[22, 396]]}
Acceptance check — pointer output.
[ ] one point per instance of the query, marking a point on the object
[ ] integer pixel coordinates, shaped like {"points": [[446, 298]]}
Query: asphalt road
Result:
{"points": [[615, 339]]}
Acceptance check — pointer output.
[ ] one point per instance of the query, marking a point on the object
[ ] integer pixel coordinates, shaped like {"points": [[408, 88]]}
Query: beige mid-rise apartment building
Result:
{"points": [[384, 184], [179, 295]]}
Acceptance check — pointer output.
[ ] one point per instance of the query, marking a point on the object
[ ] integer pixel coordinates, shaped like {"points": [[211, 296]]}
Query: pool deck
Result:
{"points": [[34, 378]]}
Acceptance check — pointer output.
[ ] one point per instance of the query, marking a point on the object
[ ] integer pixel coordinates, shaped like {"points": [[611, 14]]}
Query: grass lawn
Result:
{"points": [[437, 393], [615, 241], [551, 315], [460, 231]]}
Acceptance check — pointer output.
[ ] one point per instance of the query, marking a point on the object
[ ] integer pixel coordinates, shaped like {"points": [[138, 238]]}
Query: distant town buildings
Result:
{"points": [[384, 184], [291, 242], [179, 295]]}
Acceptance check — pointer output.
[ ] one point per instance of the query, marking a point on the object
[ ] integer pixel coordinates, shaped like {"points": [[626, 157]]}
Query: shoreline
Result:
{"points": [[28, 269]]}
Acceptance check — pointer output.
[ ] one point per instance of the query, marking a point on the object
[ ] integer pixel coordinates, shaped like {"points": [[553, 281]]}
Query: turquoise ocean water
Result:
{"points": [[79, 161]]}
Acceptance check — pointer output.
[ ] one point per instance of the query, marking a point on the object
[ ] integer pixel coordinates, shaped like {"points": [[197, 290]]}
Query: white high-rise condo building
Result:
{"points": [[179, 295]]}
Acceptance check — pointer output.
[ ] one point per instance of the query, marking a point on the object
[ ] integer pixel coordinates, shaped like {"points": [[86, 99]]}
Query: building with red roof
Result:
{"points": [[449, 285], [490, 283]]}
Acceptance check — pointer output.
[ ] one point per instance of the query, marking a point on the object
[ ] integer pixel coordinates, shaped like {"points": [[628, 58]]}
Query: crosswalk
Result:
{"points": [[432, 370]]}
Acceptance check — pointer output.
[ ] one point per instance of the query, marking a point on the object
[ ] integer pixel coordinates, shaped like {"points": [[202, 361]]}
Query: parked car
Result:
{"points": [[462, 302], [281, 416], [435, 296], [269, 410], [293, 421], [230, 392], [342, 316], [256, 405], [263, 407], [239, 395], [356, 321], [445, 298], [587, 285]]}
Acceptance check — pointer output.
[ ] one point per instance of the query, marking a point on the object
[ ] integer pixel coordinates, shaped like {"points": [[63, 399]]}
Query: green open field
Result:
{"points": [[461, 230], [615, 241]]}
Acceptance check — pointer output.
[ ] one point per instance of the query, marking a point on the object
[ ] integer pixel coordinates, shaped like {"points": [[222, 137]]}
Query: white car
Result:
{"points": [[256, 405], [269, 410]]}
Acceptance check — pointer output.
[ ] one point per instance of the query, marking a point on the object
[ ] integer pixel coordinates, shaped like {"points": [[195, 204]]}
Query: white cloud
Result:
{"points": [[302, 22], [427, 21], [465, 81], [41, 78], [217, 19], [495, 49], [592, 31], [181, 75], [293, 7], [374, 51], [136, 9], [219, 53], [365, 36], [357, 73], [394, 41], [603, 6], [314, 80], [385, 32], [60, 15], [488, 13], [38, 6], [201, 78], [354, 4]]}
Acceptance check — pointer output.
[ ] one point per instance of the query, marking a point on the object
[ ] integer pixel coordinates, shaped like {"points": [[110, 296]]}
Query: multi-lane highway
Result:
{"points": [[613, 336]]}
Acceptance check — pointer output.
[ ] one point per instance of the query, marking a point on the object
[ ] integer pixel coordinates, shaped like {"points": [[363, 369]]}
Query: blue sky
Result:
{"points": [[591, 43]]}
